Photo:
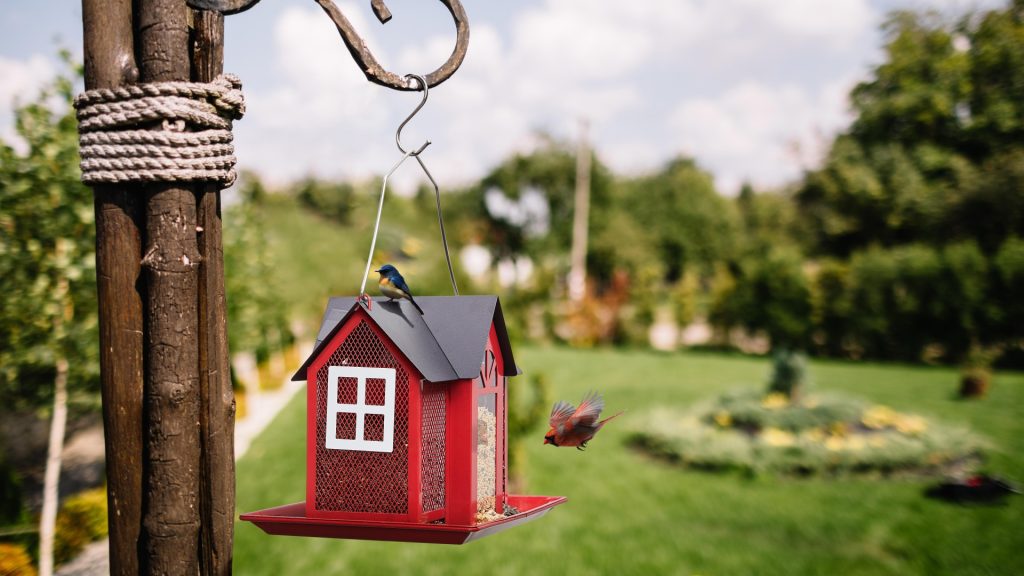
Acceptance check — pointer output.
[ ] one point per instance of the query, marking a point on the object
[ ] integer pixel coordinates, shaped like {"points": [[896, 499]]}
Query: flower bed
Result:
{"points": [[756, 433]]}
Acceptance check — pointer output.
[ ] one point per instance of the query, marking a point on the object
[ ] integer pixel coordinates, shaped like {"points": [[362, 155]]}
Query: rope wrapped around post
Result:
{"points": [[160, 132]]}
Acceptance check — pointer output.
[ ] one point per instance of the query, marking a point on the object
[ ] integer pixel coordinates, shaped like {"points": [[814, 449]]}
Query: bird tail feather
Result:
{"points": [[418, 309], [602, 422]]}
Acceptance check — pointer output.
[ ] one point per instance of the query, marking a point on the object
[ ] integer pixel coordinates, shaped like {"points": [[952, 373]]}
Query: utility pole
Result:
{"points": [[581, 218]]}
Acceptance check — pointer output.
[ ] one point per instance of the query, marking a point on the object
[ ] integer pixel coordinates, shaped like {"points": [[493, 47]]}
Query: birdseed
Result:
{"points": [[486, 445]]}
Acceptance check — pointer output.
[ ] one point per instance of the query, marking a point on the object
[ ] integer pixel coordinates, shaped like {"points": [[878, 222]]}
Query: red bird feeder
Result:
{"points": [[406, 425]]}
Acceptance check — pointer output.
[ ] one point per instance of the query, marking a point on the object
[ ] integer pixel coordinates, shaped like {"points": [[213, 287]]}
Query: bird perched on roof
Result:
{"points": [[572, 426], [393, 285]]}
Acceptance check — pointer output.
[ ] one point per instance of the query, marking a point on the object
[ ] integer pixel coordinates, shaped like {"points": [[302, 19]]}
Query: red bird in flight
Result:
{"points": [[572, 426]]}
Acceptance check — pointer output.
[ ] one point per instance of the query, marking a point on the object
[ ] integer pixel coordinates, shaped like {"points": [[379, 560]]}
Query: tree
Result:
{"points": [[934, 154], [526, 203], [257, 316], [691, 225], [48, 326]]}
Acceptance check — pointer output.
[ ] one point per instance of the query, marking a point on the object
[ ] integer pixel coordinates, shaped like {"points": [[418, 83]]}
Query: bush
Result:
{"points": [[771, 294], [82, 519], [15, 560], [832, 309], [789, 373], [902, 302], [1008, 285], [753, 412], [10, 494]]}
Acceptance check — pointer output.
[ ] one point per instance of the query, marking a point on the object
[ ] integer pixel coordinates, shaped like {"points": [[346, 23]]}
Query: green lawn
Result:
{"points": [[628, 514]]}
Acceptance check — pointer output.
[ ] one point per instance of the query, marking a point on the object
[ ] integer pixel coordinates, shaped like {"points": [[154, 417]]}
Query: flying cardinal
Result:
{"points": [[576, 426]]}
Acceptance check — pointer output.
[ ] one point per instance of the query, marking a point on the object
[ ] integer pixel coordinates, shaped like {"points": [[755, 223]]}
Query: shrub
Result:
{"points": [[789, 373], [752, 411], [15, 560], [832, 308], [771, 294], [82, 519], [1008, 283]]}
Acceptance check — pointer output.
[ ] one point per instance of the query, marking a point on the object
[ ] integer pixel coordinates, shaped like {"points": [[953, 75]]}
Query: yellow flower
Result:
{"points": [[723, 419], [814, 434], [911, 425], [775, 400], [878, 417], [855, 443], [777, 437], [837, 429], [835, 443]]}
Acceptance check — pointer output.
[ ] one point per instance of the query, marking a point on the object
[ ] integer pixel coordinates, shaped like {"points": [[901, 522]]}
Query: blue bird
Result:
{"points": [[393, 285]]}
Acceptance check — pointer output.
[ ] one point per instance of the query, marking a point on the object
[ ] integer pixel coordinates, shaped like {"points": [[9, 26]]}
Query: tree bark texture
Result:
{"points": [[110, 63], [170, 523], [218, 400]]}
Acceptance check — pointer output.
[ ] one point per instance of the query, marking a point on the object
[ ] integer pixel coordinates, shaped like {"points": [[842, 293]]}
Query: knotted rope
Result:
{"points": [[160, 132]]}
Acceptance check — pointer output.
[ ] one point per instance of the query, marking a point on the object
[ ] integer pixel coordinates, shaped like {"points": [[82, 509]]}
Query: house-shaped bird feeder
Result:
{"points": [[406, 425]]}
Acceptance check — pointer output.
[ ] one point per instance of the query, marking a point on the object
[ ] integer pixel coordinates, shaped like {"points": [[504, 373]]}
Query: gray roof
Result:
{"points": [[446, 343]]}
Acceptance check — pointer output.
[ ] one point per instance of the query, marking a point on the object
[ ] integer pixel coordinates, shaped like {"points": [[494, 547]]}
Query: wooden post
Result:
{"points": [[109, 63], [218, 401], [170, 521], [164, 357]]}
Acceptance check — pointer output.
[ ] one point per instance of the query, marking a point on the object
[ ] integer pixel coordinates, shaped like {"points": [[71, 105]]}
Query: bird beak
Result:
{"points": [[377, 270]]}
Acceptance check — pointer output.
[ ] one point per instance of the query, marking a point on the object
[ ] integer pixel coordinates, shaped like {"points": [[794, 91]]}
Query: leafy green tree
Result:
{"points": [[47, 256], [1008, 285], [917, 94], [770, 293], [997, 81], [935, 152], [525, 205], [47, 280], [333, 200], [690, 224], [768, 220], [258, 319]]}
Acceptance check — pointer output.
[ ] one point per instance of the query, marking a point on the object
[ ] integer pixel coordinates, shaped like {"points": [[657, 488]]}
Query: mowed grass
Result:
{"points": [[629, 514]]}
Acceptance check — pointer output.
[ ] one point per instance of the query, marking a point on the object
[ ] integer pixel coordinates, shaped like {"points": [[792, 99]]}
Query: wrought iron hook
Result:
{"points": [[374, 71], [225, 6], [398, 133]]}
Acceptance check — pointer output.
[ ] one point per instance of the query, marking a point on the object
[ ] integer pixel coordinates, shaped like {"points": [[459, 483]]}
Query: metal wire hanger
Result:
{"points": [[384, 187]]}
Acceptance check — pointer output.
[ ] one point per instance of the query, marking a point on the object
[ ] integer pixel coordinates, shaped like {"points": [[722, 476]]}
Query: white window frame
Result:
{"points": [[360, 409]]}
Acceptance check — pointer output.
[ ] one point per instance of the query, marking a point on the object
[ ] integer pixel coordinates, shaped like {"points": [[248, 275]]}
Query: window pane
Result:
{"points": [[486, 445]]}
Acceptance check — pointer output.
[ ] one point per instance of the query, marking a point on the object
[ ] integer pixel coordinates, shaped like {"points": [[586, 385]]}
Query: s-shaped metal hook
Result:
{"points": [[364, 58], [374, 71], [398, 133]]}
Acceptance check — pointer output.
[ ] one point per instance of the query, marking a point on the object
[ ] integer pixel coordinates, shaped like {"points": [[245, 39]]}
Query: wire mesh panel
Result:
{"points": [[433, 446], [353, 480]]}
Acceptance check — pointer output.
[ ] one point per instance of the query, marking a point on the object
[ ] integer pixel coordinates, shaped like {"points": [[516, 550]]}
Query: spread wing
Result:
{"points": [[589, 411], [560, 414]]}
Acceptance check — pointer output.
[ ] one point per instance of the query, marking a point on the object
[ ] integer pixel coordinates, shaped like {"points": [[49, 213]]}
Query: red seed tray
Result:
{"points": [[291, 520]]}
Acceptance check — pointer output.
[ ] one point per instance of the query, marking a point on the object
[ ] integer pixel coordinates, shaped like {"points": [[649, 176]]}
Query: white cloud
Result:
{"points": [[735, 82], [837, 21], [761, 133], [317, 117], [21, 82]]}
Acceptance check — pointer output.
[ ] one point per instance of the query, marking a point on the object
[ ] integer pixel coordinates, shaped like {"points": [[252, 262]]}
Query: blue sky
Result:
{"points": [[753, 89]]}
